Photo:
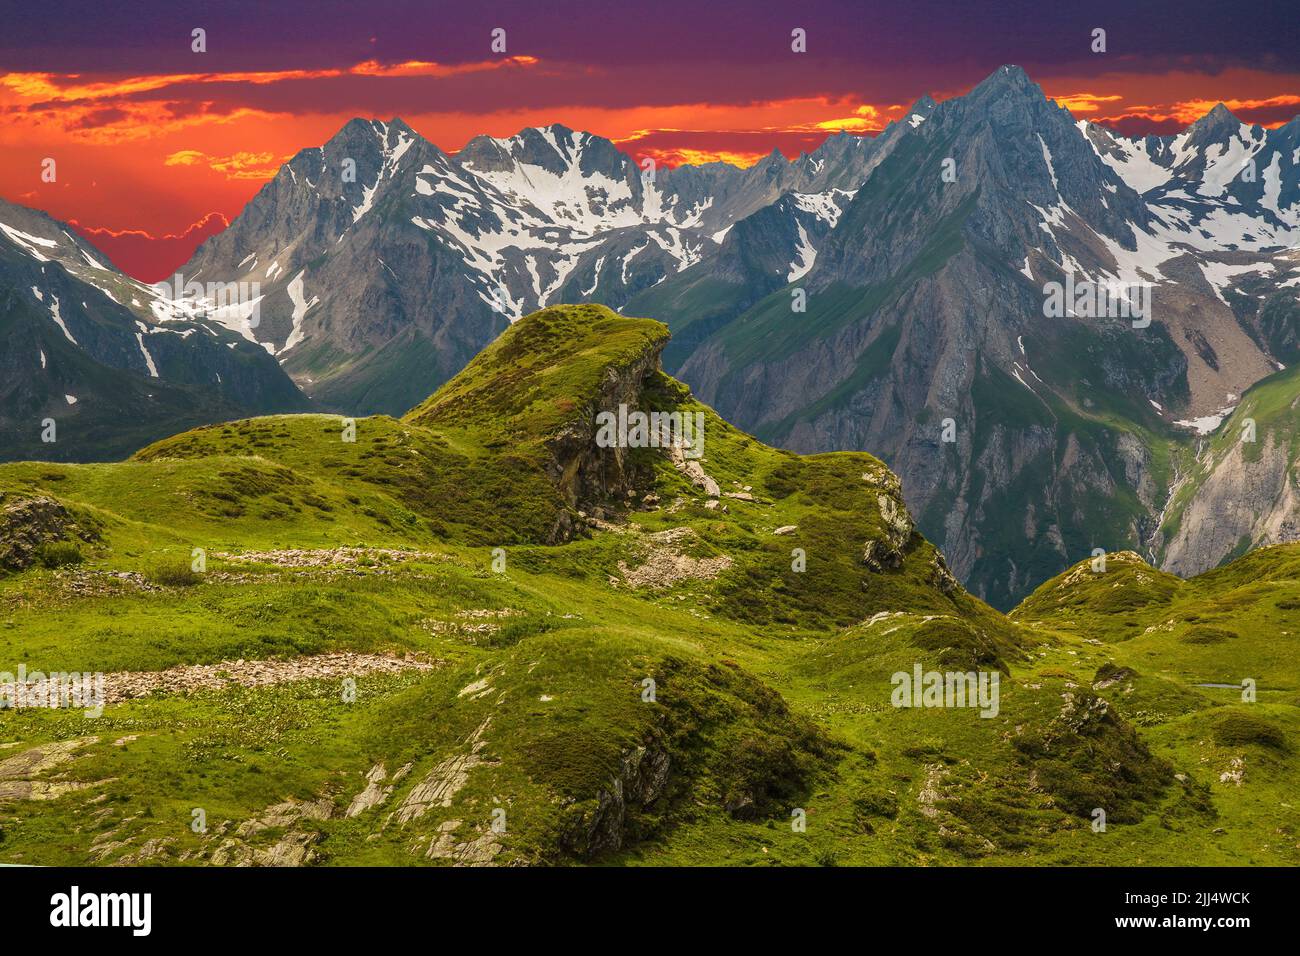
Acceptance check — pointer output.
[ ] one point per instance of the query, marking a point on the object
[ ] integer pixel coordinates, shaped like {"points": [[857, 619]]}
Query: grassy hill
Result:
{"points": [[474, 636]]}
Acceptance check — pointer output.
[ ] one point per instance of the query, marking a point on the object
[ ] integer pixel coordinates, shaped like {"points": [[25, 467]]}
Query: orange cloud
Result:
{"points": [[1188, 111], [115, 110], [1165, 103], [129, 121], [865, 119], [63, 88], [697, 157], [1085, 102], [240, 165], [427, 68], [740, 134]]}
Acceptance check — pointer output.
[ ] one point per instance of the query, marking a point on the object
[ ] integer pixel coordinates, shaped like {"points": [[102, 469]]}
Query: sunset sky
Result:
{"points": [[157, 146]]}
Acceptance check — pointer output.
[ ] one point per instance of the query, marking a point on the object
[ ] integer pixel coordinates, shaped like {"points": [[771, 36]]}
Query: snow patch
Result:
{"points": [[58, 318], [300, 307], [148, 359], [392, 158], [1129, 159], [595, 278], [1219, 274], [804, 255], [825, 206], [1207, 423], [28, 243], [1047, 158]]}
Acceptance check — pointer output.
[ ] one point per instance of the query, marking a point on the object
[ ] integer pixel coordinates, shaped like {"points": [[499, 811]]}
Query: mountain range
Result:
{"points": [[885, 294]]}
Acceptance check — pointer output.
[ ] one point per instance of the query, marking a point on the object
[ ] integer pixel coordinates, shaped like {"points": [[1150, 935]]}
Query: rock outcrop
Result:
{"points": [[28, 523], [583, 470], [641, 779], [1242, 502]]}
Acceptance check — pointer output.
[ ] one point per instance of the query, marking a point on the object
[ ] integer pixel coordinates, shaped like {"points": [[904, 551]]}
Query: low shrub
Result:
{"points": [[57, 554]]}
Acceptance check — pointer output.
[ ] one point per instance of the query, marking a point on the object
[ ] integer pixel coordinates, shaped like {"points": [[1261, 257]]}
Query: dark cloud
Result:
{"points": [[942, 35], [98, 117]]}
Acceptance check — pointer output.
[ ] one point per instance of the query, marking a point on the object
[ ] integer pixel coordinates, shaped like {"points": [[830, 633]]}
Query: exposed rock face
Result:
{"points": [[888, 551], [693, 471], [296, 847], [582, 469], [1242, 490], [326, 557], [27, 523], [378, 788], [482, 850], [663, 564], [444, 781], [941, 577], [1240, 502], [640, 781], [25, 775]]}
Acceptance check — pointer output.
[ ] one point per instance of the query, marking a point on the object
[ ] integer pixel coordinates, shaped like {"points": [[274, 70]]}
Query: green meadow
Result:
{"points": [[594, 659]]}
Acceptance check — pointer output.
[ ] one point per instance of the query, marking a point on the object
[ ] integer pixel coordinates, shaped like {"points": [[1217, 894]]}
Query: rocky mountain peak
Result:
{"points": [[555, 148], [923, 106], [1219, 120], [1006, 81], [1217, 128], [840, 144]]}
